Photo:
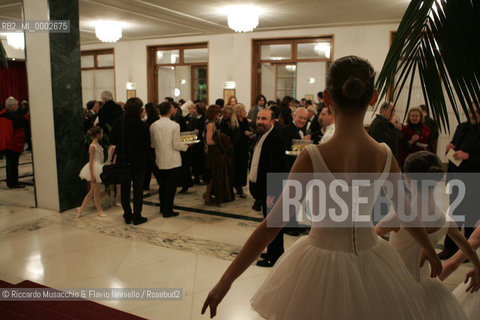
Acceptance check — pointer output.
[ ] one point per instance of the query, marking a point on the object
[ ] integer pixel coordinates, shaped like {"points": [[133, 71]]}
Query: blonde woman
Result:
{"points": [[240, 147]]}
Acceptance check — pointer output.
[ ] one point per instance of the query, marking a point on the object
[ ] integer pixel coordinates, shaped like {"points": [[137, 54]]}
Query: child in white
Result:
{"points": [[440, 302], [91, 172], [468, 296]]}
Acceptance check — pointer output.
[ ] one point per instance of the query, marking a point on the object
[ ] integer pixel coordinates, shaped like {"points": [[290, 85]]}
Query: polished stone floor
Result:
{"points": [[190, 251]]}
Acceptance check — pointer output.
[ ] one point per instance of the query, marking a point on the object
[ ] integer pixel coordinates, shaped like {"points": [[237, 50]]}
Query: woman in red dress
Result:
{"points": [[415, 134]]}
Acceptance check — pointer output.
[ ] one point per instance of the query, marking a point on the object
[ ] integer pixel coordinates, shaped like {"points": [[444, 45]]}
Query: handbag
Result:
{"points": [[116, 172]]}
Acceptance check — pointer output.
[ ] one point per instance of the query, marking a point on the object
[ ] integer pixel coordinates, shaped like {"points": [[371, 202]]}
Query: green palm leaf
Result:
{"points": [[443, 47]]}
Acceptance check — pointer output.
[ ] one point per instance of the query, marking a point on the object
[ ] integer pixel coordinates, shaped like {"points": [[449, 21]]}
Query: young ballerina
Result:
{"points": [[91, 172], [469, 301], [441, 303], [336, 272]]}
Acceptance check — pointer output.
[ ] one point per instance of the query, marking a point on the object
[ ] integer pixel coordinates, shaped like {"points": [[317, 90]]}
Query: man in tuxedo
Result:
{"points": [[165, 138], [268, 154], [109, 112], [466, 144], [294, 130]]}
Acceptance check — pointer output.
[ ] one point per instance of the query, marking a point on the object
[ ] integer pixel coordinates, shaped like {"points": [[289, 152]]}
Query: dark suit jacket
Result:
{"points": [[289, 132], [315, 129], [467, 139], [271, 160], [137, 142], [108, 113], [383, 130]]}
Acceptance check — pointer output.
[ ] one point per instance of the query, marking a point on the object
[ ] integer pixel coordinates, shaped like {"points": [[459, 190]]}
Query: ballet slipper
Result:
{"points": [[79, 212], [117, 204], [102, 214]]}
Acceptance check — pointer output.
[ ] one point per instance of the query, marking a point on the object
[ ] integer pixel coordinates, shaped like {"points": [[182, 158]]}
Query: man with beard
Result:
{"points": [[268, 154]]}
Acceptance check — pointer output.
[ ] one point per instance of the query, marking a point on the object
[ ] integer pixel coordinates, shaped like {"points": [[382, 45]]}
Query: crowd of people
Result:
{"points": [[350, 265], [234, 149]]}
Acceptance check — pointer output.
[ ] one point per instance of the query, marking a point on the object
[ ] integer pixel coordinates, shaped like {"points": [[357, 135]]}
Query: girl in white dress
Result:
{"points": [[91, 172], [441, 303], [345, 272], [469, 300]]}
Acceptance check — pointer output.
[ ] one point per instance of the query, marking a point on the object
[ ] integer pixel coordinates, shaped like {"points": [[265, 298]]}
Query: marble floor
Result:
{"points": [[190, 251]]}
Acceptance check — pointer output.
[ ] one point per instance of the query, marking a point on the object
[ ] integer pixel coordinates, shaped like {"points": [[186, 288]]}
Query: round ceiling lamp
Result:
{"points": [[16, 40], [108, 31], [242, 18]]}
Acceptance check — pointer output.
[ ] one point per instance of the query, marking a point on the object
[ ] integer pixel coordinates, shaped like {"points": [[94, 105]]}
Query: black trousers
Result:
{"points": [[275, 249], [12, 167], [137, 179], [167, 183]]}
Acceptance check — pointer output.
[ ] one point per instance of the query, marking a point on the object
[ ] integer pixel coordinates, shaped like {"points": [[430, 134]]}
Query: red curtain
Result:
{"points": [[13, 81]]}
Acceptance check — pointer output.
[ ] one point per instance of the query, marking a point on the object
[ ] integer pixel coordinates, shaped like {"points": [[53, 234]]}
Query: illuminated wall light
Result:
{"points": [[177, 92], [311, 80], [183, 81], [291, 67]]}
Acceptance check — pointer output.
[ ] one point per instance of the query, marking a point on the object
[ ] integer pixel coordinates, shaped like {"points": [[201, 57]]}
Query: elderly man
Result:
{"points": [[384, 129], [327, 122], [109, 112], [294, 130], [12, 139]]}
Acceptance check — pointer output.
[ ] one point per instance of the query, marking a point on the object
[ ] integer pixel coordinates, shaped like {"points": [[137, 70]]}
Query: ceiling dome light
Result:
{"points": [[16, 40], [242, 18], [108, 31]]}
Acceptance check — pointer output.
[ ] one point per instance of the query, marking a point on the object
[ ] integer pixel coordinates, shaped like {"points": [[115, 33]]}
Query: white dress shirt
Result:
{"points": [[328, 133], [256, 157], [165, 137]]}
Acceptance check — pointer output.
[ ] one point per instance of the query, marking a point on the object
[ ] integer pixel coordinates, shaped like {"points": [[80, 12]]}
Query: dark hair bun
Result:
{"points": [[435, 169], [353, 89], [94, 131]]}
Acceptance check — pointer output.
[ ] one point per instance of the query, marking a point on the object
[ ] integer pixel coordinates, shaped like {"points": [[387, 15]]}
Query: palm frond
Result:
{"points": [[3, 56], [443, 47]]}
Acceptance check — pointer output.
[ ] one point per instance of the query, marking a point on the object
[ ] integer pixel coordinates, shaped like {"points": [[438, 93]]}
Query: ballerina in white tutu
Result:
{"points": [[91, 172], [345, 272], [470, 301], [441, 302]]}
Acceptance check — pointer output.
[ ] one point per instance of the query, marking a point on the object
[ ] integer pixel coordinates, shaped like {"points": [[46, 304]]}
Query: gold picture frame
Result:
{"points": [[227, 93], [131, 94]]}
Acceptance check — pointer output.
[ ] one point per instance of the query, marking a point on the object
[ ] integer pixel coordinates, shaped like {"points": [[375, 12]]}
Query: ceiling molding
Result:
{"points": [[10, 5], [141, 14], [185, 15], [326, 25]]}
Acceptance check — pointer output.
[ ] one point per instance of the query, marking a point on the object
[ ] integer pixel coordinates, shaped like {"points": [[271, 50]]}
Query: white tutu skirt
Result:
{"points": [[309, 282], [469, 301], [85, 172], [441, 303]]}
